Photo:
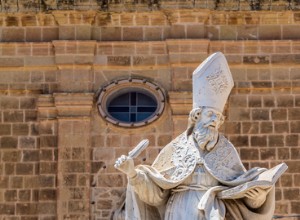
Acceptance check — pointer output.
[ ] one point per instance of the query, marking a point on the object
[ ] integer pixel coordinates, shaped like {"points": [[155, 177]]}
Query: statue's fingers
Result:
{"points": [[250, 194], [123, 157], [118, 161], [260, 190], [256, 194], [253, 193]]}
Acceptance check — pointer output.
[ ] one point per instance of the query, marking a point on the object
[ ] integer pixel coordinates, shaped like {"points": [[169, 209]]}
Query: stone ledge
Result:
{"points": [[150, 18], [65, 105], [73, 104]]}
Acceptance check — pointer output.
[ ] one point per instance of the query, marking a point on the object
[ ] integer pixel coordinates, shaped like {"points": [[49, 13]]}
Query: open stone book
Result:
{"points": [[265, 180]]}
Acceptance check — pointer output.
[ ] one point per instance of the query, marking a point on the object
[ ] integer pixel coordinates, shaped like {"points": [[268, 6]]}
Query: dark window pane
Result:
{"points": [[143, 116], [145, 100], [132, 117], [124, 117], [133, 98], [118, 109], [120, 100], [146, 109]]}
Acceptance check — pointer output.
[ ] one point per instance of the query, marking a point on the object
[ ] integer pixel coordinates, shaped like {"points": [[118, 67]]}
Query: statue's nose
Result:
{"points": [[213, 118]]}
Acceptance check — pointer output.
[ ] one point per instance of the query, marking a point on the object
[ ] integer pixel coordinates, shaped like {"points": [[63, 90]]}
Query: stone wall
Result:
{"points": [[53, 141], [144, 5], [149, 26]]}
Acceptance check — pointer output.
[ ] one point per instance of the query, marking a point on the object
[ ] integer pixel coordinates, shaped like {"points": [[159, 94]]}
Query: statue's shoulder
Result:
{"points": [[223, 161], [164, 157], [178, 159]]}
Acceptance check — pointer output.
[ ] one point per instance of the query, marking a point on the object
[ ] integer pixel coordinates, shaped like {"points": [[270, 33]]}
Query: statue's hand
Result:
{"points": [[255, 197], [126, 165], [256, 194]]}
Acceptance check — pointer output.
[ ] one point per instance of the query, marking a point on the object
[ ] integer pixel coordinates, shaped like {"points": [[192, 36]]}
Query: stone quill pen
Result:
{"points": [[135, 152]]}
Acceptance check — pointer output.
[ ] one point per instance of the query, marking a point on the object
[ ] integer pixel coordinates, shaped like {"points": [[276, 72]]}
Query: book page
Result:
{"points": [[264, 180]]}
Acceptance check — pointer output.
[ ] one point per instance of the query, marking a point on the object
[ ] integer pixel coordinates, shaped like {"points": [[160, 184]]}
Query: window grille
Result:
{"points": [[131, 102]]}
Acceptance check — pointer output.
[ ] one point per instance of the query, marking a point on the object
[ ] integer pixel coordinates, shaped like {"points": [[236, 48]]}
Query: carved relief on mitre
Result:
{"points": [[212, 82]]}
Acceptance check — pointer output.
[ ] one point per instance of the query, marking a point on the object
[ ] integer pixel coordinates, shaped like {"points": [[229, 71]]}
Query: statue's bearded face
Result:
{"points": [[206, 128]]}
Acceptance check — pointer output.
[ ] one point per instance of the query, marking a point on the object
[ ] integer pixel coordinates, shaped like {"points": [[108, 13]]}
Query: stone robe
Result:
{"points": [[183, 183]]}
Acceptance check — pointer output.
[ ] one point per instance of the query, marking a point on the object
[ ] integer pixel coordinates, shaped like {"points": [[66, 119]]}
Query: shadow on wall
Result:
{"points": [[119, 212]]}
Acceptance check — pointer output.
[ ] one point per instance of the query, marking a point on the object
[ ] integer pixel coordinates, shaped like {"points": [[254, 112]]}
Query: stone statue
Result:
{"points": [[199, 175]]}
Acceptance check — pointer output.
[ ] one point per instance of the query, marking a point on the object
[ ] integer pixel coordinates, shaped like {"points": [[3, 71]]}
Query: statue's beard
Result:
{"points": [[206, 137]]}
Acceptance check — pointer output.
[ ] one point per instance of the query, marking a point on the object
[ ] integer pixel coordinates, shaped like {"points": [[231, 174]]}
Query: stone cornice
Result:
{"points": [[65, 105], [147, 18], [73, 104], [138, 5], [46, 107]]}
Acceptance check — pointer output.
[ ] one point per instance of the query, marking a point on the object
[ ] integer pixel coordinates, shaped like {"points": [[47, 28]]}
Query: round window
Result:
{"points": [[131, 102]]}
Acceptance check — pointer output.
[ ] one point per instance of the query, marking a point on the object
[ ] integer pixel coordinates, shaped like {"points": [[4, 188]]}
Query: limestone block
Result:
{"points": [[7, 209], [5, 129], [83, 32], [31, 155], [27, 142], [50, 33], [13, 34], [24, 169], [66, 32], [13, 116], [132, 33], [11, 62], [39, 61], [12, 156], [195, 31], [153, 33], [247, 32]]}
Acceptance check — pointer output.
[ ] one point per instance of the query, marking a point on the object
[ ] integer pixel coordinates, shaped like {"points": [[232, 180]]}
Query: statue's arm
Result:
{"points": [[147, 190], [144, 187]]}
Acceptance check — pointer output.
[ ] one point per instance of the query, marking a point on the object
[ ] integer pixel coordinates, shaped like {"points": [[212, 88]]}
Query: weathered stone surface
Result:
{"points": [[6, 209], [262, 113], [13, 34], [9, 103], [119, 60], [5, 129], [24, 169], [20, 129], [26, 208], [31, 155], [11, 156], [27, 142], [8, 142], [47, 208], [48, 141], [24, 195]]}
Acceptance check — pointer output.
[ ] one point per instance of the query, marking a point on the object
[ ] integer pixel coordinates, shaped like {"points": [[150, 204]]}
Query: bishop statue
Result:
{"points": [[199, 174]]}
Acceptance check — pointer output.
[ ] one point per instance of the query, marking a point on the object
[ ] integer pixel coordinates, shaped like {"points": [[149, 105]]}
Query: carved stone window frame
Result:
{"points": [[147, 87]]}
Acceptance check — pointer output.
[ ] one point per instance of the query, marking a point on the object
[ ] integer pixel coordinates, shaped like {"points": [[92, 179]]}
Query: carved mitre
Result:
{"points": [[212, 82]]}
